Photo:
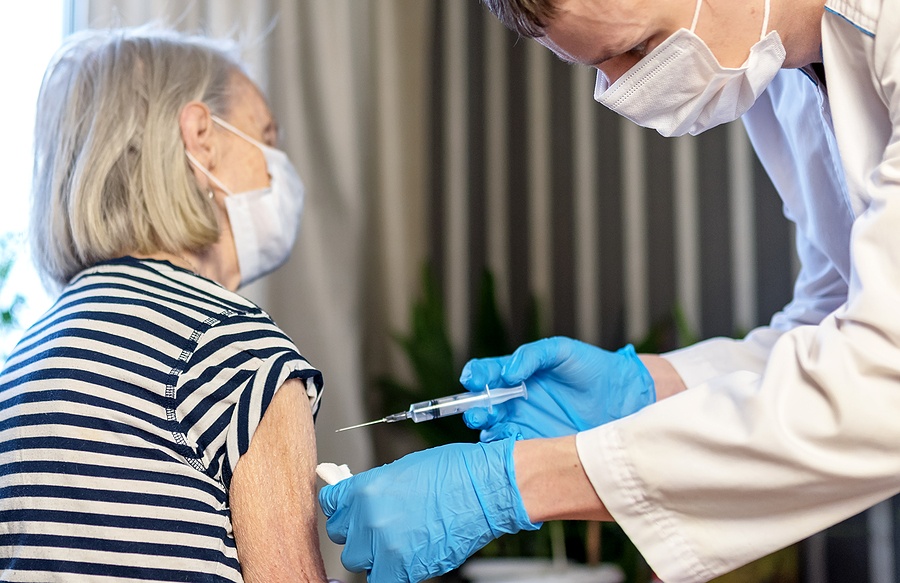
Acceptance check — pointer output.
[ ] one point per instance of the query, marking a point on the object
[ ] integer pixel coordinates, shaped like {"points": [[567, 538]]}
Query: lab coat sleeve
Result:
{"points": [[786, 127], [818, 291], [750, 461]]}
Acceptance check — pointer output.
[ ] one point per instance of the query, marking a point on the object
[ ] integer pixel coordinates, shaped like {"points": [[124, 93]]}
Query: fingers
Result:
{"points": [[500, 432], [535, 356], [479, 372], [387, 570], [357, 558]]}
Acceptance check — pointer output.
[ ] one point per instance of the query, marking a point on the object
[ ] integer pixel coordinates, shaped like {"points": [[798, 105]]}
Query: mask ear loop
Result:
{"points": [[263, 147], [208, 174], [237, 132], [696, 15], [765, 26]]}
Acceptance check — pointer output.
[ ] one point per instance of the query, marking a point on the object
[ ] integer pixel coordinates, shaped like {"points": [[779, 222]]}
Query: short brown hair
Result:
{"points": [[526, 17]]}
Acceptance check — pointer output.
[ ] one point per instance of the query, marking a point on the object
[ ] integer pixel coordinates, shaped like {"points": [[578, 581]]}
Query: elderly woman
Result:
{"points": [[157, 426]]}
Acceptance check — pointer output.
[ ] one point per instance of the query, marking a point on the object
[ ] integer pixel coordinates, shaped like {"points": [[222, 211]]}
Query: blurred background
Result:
{"points": [[465, 194]]}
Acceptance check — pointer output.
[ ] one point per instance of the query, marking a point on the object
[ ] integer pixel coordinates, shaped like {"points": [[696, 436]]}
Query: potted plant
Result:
{"points": [[546, 554]]}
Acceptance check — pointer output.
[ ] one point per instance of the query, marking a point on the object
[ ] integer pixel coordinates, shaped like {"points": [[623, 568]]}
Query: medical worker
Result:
{"points": [[777, 436]]}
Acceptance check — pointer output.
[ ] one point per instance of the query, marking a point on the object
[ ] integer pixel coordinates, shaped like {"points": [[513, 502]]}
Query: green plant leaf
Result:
{"points": [[10, 247], [488, 331]]}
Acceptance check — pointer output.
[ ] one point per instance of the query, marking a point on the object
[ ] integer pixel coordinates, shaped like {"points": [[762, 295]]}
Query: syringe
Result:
{"points": [[451, 405]]}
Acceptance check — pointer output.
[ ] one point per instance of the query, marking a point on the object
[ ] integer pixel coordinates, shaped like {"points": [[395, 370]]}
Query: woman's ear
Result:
{"points": [[197, 132]]}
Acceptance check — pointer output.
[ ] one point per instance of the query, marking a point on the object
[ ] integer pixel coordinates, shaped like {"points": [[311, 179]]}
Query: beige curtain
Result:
{"points": [[345, 78]]}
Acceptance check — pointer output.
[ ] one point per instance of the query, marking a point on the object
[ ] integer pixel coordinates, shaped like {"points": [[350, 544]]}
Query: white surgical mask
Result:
{"points": [[264, 222], [681, 88]]}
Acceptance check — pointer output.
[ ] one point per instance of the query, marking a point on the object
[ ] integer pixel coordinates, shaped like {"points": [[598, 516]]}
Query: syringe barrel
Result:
{"points": [[462, 402]]}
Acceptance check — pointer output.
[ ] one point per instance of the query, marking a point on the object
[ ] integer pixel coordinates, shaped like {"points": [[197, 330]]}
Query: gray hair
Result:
{"points": [[110, 172], [528, 18]]}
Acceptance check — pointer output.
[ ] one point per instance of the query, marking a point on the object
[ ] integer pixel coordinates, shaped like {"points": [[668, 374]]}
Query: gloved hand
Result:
{"points": [[572, 386], [426, 513]]}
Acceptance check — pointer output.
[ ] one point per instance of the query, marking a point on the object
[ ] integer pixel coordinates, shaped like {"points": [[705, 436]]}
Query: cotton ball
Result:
{"points": [[333, 473]]}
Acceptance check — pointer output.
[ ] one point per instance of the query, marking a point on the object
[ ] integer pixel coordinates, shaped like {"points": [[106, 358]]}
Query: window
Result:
{"points": [[30, 32]]}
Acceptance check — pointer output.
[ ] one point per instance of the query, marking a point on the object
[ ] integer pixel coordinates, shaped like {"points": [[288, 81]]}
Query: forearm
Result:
{"points": [[552, 481], [666, 379]]}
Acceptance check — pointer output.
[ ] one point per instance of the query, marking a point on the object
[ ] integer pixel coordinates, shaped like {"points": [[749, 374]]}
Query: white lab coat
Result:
{"points": [[796, 427]]}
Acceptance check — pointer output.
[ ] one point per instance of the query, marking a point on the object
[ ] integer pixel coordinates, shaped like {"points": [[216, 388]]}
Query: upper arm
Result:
{"points": [[272, 494]]}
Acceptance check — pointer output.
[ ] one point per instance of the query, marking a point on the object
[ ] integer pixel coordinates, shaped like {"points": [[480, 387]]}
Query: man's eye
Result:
{"points": [[640, 50]]}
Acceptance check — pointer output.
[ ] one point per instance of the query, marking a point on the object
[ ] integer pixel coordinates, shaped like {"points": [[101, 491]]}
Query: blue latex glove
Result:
{"points": [[426, 513], [572, 386]]}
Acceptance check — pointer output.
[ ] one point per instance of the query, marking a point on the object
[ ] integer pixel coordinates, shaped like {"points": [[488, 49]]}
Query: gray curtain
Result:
{"points": [[610, 226]]}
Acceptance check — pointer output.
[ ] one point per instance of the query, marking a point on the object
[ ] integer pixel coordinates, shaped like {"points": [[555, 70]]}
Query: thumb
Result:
{"points": [[328, 499], [337, 524]]}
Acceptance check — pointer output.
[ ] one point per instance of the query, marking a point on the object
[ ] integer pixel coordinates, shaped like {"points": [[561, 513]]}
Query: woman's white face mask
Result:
{"points": [[264, 222], [681, 88]]}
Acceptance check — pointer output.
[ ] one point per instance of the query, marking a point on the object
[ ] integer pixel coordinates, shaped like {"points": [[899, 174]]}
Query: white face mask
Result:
{"points": [[681, 88], [264, 222]]}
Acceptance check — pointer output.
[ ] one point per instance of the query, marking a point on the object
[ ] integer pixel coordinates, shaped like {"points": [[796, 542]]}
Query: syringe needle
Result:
{"points": [[361, 425]]}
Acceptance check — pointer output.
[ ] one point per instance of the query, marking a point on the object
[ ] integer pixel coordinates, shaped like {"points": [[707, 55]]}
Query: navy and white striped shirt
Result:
{"points": [[123, 412]]}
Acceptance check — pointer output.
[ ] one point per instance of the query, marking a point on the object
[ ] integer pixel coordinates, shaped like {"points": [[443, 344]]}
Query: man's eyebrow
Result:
{"points": [[604, 54]]}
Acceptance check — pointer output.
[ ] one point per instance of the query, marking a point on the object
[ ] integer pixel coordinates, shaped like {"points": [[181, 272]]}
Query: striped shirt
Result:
{"points": [[123, 412]]}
